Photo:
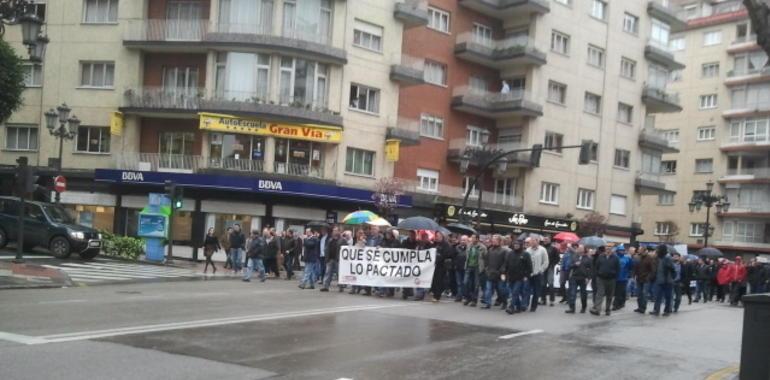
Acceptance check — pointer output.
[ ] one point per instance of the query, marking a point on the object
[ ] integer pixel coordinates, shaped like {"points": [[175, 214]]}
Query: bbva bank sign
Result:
{"points": [[264, 184], [132, 176]]}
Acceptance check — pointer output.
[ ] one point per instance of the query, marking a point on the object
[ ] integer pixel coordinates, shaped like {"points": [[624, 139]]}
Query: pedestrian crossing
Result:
{"points": [[110, 271]]}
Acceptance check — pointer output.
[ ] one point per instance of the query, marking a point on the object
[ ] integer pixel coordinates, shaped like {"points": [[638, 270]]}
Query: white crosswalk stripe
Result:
{"points": [[106, 271]]}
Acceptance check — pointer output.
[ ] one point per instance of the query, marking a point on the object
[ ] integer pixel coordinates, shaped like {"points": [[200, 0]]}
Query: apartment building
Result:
{"points": [[505, 75], [723, 133], [267, 112]]}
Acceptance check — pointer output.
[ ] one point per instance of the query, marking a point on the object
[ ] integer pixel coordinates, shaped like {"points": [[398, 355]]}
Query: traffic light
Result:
{"points": [[31, 178], [21, 175], [175, 194], [585, 152], [534, 158]]}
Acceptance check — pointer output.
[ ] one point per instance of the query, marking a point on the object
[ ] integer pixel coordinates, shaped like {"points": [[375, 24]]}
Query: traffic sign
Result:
{"points": [[60, 184]]}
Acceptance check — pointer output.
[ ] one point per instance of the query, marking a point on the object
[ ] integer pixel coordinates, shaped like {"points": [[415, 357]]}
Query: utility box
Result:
{"points": [[755, 347]]}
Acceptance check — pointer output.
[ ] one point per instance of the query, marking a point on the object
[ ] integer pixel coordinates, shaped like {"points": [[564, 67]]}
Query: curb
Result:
{"points": [[728, 373]]}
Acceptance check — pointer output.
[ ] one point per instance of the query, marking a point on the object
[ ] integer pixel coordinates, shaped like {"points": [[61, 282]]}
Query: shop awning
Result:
{"points": [[250, 126]]}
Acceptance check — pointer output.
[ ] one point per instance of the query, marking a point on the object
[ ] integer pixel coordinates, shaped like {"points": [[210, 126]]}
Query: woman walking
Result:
{"points": [[210, 245]]}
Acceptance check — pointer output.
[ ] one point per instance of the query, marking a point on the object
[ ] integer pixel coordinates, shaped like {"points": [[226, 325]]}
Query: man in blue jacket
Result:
{"points": [[626, 268]]}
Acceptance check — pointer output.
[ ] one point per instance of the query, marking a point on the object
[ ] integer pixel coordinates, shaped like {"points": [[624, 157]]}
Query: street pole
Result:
{"points": [[478, 213], [59, 163], [20, 236], [708, 226]]}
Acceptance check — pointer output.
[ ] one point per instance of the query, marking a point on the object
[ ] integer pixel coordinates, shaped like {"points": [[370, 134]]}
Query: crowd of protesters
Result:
{"points": [[516, 275]]}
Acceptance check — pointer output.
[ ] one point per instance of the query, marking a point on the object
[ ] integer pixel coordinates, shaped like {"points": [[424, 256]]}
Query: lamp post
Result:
{"points": [[65, 130], [21, 12], [709, 200]]}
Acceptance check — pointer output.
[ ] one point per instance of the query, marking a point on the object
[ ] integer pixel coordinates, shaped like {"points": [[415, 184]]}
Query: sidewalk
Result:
{"points": [[28, 275]]}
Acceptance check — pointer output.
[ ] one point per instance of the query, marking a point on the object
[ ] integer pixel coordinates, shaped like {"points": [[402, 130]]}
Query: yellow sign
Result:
{"points": [[235, 124], [116, 123], [392, 149]]}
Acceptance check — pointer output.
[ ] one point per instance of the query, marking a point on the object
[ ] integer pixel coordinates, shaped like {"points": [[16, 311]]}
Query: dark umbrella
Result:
{"points": [[710, 252], [418, 223], [592, 241], [525, 235], [317, 224], [444, 231], [461, 228]]}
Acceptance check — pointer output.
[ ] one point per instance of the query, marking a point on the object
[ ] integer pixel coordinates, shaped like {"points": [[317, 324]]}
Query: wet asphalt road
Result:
{"points": [[229, 329]]}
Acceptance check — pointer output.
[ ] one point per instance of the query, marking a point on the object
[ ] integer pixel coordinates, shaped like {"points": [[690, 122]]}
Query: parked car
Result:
{"points": [[49, 226]]}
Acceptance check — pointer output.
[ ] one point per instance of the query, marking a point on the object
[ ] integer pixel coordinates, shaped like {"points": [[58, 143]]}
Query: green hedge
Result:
{"points": [[122, 246]]}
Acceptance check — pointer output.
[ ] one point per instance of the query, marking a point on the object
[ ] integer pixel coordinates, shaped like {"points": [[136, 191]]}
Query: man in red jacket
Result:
{"points": [[724, 278], [738, 284]]}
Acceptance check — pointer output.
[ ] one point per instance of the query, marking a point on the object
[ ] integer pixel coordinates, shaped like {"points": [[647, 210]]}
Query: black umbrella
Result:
{"points": [[419, 223], [317, 224], [710, 252], [444, 231], [525, 235], [461, 228], [592, 241]]}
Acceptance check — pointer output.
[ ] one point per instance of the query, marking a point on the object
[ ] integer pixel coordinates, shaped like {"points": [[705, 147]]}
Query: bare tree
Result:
{"points": [[670, 236], [759, 12], [592, 224], [386, 193]]}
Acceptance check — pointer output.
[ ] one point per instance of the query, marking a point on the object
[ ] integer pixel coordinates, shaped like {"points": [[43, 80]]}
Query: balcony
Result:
{"points": [[667, 12], [298, 170], [495, 105], [749, 108], [412, 13], [746, 175], [660, 53], [652, 139], [202, 36], [177, 102], [747, 76], [653, 183], [498, 54], [407, 70], [756, 141], [458, 147], [743, 44], [455, 194], [506, 9], [405, 130], [659, 100]]}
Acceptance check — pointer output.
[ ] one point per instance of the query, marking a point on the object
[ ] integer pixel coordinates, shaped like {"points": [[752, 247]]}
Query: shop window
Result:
{"points": [[297, 157], [224, 221], [98, 217], [182, 228]]}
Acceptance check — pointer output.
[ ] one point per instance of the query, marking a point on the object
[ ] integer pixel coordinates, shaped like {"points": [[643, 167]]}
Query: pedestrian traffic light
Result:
{"points": [[21, 175], [31, 178], [534, 158], [178, 200], [585, 152]]}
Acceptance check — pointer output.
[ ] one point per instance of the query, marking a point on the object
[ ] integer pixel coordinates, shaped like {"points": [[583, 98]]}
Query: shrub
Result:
{"points": [[122, 246]]}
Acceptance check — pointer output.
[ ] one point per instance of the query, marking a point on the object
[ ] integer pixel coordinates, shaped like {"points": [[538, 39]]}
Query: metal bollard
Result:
{"points": [[755, 347]]}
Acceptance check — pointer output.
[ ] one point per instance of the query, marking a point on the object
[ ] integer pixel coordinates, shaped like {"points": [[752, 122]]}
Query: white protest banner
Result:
{"points": [[387, 267]]}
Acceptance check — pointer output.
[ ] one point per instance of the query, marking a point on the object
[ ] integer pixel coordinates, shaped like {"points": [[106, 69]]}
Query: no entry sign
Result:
{"points": [[60, 184]]}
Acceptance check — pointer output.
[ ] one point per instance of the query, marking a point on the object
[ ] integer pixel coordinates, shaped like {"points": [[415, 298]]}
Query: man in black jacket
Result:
{"points": [[607, 269], [702, 279], [291, 247], [518, 268], [553, 258], [495, 262], [580, 271], [237, 245], [444, 256], [332, 250]]}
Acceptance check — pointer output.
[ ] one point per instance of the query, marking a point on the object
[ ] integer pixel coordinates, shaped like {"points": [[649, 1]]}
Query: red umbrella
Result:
{"points": [[566, 236]]}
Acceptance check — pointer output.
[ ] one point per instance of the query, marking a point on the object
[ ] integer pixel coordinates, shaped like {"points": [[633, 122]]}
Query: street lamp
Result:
{"points": [[709, 200], [66, 129], [21, 12]]}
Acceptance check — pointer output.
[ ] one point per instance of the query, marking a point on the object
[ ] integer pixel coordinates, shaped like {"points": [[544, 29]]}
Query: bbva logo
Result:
{"points": [[264, 184], [133, 176]]}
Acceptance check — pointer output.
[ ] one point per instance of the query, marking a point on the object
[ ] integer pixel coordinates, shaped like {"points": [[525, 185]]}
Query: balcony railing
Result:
{"points": [[164, 98], [299, 170], [661, 94], [166, 30], [754, 105], [763, 138], [490, 199], [513, 42], [156, 162], [241, 165], [236, 28], [763, 172], [414, 63], [488, 96], [462, 144], [748, 71]]}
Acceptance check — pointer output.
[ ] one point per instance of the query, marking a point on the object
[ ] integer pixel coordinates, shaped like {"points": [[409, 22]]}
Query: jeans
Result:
{"points": [[620, 294], [321, 272], [331, 270], [663, 291], [236, 254], [605, 288], [493, 286], [631, 288], [536, 285], [574, 284], [254, 264], [563, 280], [288, 260], [547, 288], [519, 297], [641, 301], [701, 289], [471, 284], [678, 295], [309, 279], [460, 281]]}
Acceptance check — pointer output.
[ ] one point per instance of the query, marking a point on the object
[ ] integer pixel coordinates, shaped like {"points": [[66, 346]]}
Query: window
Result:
{"points": [[627, 68], [20, 137], [668, 167], [174, 144], [565, 2], [557, 92], [690, 11], [467, 181], [677, 44], [549, 193], [595, 56], [38, 9], [617, 204], [671, 135], [666, 199], [622, 158], [630, 23], [100, 11], [359, 161], [303, 20], [675, 76], [364, 98], [477, 83], [585, 199], [367, 36], [745, 231], [435, 73], [749, 62], [704, 165], [302, 82], [706, 133], [708, 101], [482, 34], [438, 20], [553, 142], [743, 33], [97, 74], [593, 103], [710, 70], [699, 194], [712, 38], [696, 229], [594, 151], [625, 113], [662, 228], [431, 126], [93, 140], [427, 180], [559, 42], [505, 189], [599, 9], [475, 136], [33, 74], [659, 34]]}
